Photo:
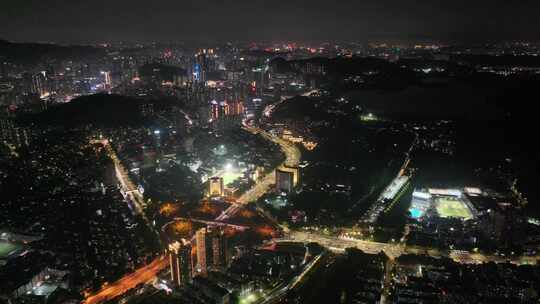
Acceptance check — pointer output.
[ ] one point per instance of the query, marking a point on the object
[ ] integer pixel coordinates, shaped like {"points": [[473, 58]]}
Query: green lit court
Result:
{"points": [[452, 207], [7, 248], [229, 177]]}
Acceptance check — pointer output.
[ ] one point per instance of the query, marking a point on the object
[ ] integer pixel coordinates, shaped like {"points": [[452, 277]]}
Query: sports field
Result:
{"points": [[452, 207], [6, 248], [229, 177]]}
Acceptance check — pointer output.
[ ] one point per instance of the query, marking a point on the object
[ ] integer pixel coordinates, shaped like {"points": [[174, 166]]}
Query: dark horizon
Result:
{"points": [[70, 22]]}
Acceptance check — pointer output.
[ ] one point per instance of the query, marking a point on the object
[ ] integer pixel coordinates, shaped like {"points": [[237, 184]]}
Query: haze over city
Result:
{"points": [[67, 21]]}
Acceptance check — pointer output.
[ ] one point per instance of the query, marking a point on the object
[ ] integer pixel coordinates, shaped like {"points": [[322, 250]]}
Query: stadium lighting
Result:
{"points": [[250, 298]]}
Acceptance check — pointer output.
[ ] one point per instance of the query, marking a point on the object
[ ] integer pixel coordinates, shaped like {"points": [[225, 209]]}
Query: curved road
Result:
{"points": [[292, 158], [145, 273], [129, 281]]}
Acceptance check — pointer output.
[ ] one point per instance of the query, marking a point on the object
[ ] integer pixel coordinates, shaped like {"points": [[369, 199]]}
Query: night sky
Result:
{"points": [[69, 21]]}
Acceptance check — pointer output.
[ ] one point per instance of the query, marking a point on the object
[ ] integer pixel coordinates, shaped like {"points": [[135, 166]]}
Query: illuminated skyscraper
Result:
{"points": [[284, 181], [219, 249], [38, 84], [215, 110], [287, 178], [226, 109], [108, 79], [180, 263], [215, 186], [199, 67], [202, 252], [234, 108], [211, 250]]}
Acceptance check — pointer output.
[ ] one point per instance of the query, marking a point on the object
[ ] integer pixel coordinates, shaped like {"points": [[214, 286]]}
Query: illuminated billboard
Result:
{"points": [[197, 72]]}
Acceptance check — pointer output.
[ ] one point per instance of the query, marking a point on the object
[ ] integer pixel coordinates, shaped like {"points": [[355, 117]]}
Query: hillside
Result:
{"points": [[99, 109], [33, 52]]}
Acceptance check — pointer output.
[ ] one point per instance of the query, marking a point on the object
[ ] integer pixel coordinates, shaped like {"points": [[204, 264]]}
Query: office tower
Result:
{"points": [[202, 252], [219, 249], [284, 181], [215, 110], [215, 186], [287, 178], [108, 79], [211, 250], [39, 84], [180, 263], [234, 108], [199, 67]]}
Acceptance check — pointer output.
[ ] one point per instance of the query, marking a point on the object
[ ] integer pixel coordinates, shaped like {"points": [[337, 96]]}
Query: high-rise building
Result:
{"points": [[203, 251], [107, 78], [180, 263], [234, 108], [211, 250], [216, 110], [226, 113], [219, 250], [284, 181], [38, 84], [287, 178], [200, 66], [215, 186]]}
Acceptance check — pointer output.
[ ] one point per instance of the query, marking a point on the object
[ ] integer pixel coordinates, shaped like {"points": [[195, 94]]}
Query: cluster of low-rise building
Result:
{"points": [[75, 217]]}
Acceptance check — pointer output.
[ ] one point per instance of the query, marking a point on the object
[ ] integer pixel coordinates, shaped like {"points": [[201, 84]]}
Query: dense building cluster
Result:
{"points": [[62, 193]]}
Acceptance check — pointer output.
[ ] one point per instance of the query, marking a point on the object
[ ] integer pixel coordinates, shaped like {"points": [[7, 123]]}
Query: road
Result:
{"points": [[339, 244], [372, 215], [206, 222], [128, 188], [277, 294], [292, 158], [142, 275], [394, 250], [145, 273], [390, 263], [268, 110]]}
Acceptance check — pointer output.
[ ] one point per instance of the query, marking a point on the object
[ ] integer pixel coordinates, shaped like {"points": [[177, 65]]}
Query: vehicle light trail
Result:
{"points": [[142, 275]]}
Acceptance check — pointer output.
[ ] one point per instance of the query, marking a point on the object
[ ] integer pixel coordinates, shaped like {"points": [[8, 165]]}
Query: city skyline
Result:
{"points": [[257, 152]]}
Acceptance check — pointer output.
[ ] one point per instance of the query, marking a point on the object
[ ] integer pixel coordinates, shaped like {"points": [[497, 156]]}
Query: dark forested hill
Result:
{"points": [[33, 52], [99, 110]]}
